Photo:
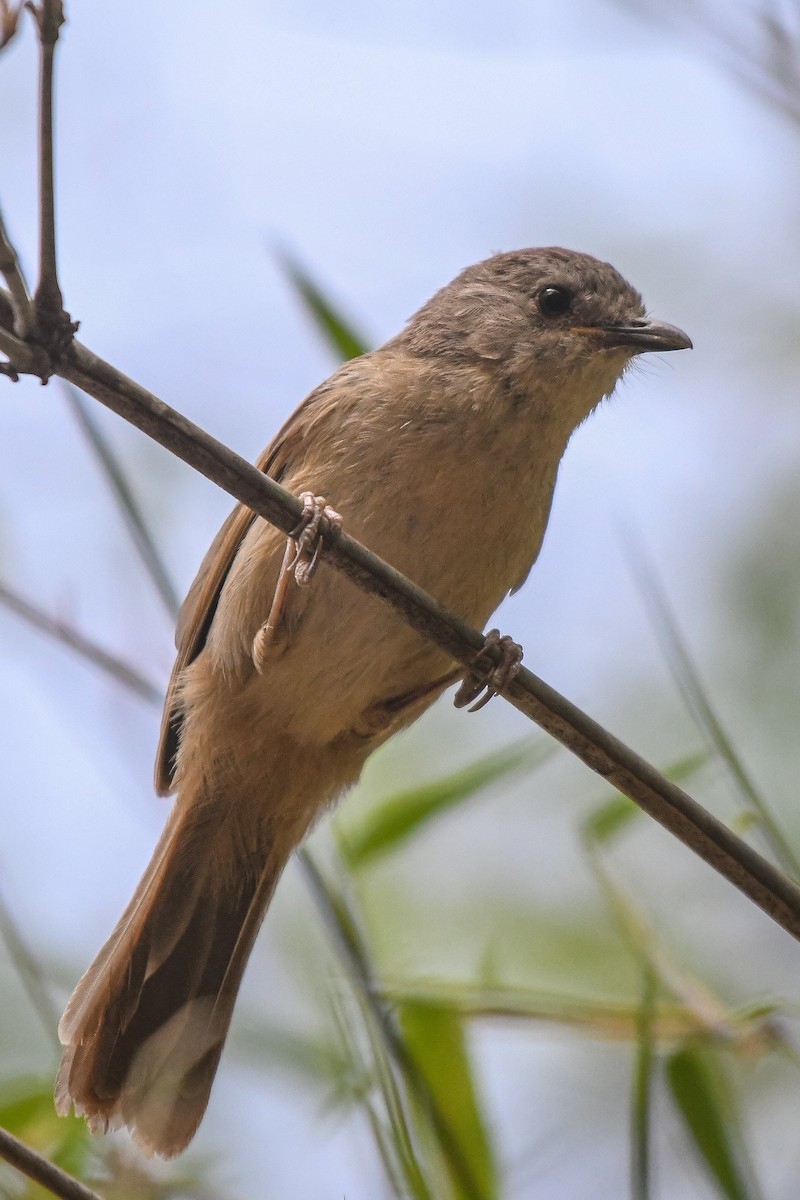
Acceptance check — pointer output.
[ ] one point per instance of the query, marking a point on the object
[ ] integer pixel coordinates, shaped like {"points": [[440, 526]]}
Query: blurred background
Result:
{"points": [[383, 148]]}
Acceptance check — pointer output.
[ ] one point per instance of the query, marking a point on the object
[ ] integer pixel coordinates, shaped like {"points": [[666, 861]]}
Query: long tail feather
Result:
{"points": [[145, 1027]]}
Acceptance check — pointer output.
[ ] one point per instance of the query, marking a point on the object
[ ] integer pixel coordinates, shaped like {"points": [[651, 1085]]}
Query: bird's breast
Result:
{"points": [[463, 514]]}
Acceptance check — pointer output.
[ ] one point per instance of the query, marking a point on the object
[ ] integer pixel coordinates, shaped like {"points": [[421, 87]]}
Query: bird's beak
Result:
{"points": [[638, 336]]}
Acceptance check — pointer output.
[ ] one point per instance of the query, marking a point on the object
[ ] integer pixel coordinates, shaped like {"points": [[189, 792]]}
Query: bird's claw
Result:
{"points": [[303, 548], [491, 671], [307, 539]]}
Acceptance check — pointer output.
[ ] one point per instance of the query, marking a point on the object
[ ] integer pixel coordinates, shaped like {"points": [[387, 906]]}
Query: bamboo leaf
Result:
{"points": [[434, 1037], [26, 1110], [337, 331], [389, 823], [707, 1114]]}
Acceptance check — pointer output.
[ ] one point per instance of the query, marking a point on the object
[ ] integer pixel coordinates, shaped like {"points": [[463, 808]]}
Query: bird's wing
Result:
{"points": [[197, 610]]}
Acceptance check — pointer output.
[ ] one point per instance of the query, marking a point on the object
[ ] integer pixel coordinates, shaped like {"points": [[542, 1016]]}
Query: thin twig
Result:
{"points": [[11, 271], [126, 500], [113, 666], [642, 1090], [24, 358], [30, 974], [603, 1020], [41, 1171], [765, 60], [348, 938], [49, 17], [644, 944], [688, 682]]}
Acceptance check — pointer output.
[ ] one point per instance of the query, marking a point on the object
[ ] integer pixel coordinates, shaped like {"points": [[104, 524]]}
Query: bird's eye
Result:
{"points": [[555, 301]]}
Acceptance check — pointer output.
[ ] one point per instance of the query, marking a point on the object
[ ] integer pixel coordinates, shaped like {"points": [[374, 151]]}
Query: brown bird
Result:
{"points": [[440, 450]]}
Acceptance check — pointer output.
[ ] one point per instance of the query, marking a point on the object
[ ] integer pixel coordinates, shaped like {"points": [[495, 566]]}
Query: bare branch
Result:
{"points": [[113, 666], [126, 500], [41, 1171], [54, 327], [688, 682], [761, 52], [23, 357], [30, 973], [49, 19], [12, 273]]}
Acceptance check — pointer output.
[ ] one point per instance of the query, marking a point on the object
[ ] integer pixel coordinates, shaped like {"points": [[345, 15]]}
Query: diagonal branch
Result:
{"points": [[126, 500], [121, 671], [624, 769], [761, 52], [23, 357], [688, 682], [51, 1177], [30, 973]]}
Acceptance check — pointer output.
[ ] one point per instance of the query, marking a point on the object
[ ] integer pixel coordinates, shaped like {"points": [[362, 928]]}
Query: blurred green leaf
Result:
{"points": [[604, 823], [260, 1044], [594, 1017], [385, 826], [27, 1111], [707, 1112], [390, 1128], [434, 1038], [337, 331]]}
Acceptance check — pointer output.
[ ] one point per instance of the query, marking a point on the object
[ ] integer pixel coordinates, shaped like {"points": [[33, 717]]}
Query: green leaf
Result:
{"points": [[336, 330], [604, 823], [391, 821], [434, 1038], [27, 1111], [707, 1112]]}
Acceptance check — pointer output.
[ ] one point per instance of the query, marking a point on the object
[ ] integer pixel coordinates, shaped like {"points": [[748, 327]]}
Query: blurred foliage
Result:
{"points": [[387, 824], [401, 1049], [705, 1102]]}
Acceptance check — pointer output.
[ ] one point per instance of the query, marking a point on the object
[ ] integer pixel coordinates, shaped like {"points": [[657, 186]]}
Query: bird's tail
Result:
{"points": [[145, 1026]]}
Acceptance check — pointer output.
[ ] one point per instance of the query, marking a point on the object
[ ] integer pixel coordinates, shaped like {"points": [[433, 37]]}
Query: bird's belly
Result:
{"points": [[467, 543]]}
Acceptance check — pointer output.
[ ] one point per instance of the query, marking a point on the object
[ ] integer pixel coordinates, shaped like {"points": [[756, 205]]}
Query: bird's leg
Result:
{"points": [[385, 716], [491, 670], [300, 559]]}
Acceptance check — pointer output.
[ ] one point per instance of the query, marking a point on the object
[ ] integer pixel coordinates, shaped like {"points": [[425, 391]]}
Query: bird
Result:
{"points": [[440, 452]]}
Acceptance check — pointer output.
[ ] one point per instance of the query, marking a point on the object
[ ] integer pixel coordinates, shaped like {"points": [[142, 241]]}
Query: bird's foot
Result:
{"points": [[300, 559], [306, 538], [385, 716], [491, 671]]}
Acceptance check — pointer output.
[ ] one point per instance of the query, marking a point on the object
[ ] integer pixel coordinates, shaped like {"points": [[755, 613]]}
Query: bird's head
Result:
{"points": [[558, 327]]}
